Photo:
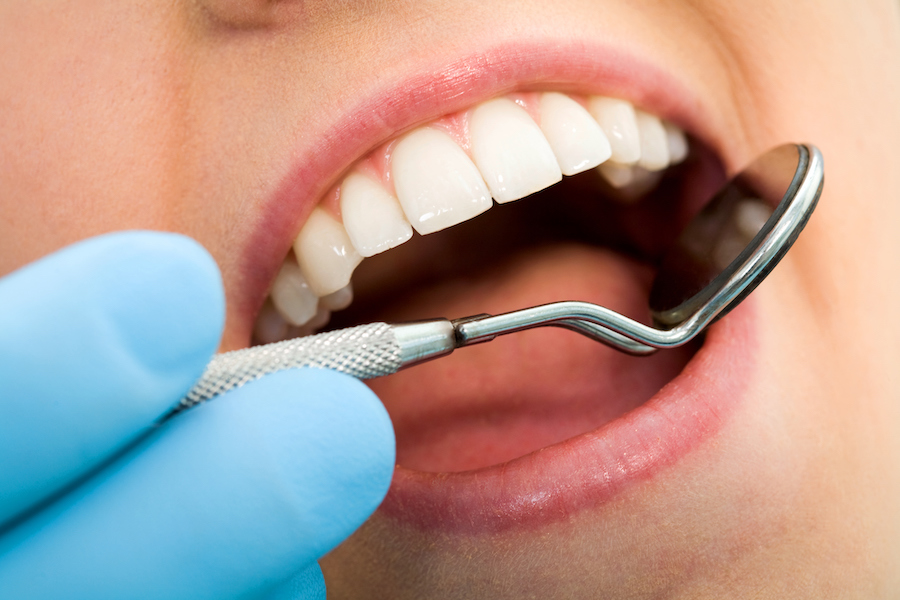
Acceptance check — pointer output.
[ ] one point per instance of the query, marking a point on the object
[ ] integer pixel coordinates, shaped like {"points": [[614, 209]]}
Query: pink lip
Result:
{"points": [[579, 67], [555, 482]]}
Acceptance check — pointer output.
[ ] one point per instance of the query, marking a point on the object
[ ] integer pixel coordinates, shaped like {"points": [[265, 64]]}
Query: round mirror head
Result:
{"points": [[738, 237]]}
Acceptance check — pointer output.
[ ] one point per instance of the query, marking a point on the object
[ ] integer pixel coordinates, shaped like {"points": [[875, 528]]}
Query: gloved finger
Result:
{"points": [[306, 584], [96, 342], [229, 499]]}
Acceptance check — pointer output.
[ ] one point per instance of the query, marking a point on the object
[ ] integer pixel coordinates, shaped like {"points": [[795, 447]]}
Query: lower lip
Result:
{"points": [[588, 470]]}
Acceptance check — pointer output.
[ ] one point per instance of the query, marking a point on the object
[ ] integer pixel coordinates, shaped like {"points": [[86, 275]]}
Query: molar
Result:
{"points": [[619, 122], [510, 150], [325, 253], [373, 218], [577, 139], [437, 184]]}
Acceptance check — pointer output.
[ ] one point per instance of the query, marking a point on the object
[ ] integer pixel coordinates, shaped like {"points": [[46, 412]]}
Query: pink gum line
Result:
{"points": [[377, 164]]}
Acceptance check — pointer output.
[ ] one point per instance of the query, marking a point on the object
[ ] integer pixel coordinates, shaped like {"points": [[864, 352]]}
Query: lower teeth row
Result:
{"points": [[450, 171]]}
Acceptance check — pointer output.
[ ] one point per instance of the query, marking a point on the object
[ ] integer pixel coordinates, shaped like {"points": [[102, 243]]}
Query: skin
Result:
{"points": [[183, 116]]}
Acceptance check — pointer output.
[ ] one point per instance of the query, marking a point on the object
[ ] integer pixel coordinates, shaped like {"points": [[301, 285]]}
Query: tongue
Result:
{"points": [[487, 404]]}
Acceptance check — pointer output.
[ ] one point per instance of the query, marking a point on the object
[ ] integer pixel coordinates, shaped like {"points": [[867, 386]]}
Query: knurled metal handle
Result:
{"points": [[364, 352]]}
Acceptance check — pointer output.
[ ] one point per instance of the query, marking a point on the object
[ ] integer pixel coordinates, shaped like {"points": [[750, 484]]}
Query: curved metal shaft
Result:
{"points": [[377, 349]]}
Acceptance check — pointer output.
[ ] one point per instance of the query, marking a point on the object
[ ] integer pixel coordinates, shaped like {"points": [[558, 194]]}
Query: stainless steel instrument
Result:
{"points": [[720, 257]]}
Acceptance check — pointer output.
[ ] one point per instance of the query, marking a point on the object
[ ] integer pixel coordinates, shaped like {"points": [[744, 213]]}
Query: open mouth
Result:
{"points": [[601, 190]]}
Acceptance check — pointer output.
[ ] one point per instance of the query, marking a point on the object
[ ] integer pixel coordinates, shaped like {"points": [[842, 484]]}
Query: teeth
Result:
{"points": [[373, 218], [654, 142], [510, 150], [292, 296], [325, 253], [619, 122], [338, 300], [270, 326], [750, 216], [319, 320], [630, 183], [617, 175], [575, 136], [437, 184], [677, 142]]}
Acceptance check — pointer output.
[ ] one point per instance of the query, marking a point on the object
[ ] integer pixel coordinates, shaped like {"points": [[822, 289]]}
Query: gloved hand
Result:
{"points": [[235, 498]]}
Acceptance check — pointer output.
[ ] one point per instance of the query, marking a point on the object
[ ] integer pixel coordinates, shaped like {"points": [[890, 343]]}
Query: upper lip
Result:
{"points": [[421, 97], [687, 402]]}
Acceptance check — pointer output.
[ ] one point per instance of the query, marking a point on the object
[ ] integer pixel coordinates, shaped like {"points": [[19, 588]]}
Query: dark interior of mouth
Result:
{"points": [[494, 402]]}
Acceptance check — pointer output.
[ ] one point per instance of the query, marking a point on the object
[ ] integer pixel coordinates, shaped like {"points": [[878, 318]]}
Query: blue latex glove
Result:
{"points": [[236, 498]]}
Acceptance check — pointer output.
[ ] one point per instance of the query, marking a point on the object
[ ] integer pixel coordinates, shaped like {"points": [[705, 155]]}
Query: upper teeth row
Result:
{"points": [[447, 172]]}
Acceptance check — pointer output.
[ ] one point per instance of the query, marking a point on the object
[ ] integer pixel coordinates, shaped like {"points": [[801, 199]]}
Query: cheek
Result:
{"points": [[88, 136]]}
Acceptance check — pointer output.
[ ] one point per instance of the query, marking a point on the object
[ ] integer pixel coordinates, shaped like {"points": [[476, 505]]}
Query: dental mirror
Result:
{"points": [[731, 232], [719, 258]]}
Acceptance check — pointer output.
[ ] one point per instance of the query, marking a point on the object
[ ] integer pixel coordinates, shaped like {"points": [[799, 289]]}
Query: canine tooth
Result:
{"points": [[338, 300], [654, 142], [292, 295], [677, 142], [510, 150], [437, 184], [270, 326], [325, 253], [373, 217], [619, 123], [577, 139]]}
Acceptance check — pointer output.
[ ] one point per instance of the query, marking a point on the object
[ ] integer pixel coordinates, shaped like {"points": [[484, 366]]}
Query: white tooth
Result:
{"points": [[677, 142], [319, 321], [270, 326], [315, 324], [642, 181], [510, 150], [325, 253], [654, 142], [618, 176], [437, 184], [373, 217], [630, 182], [575, 136], [750, 216], [619, 123], [338, 300], [292, 295]]}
